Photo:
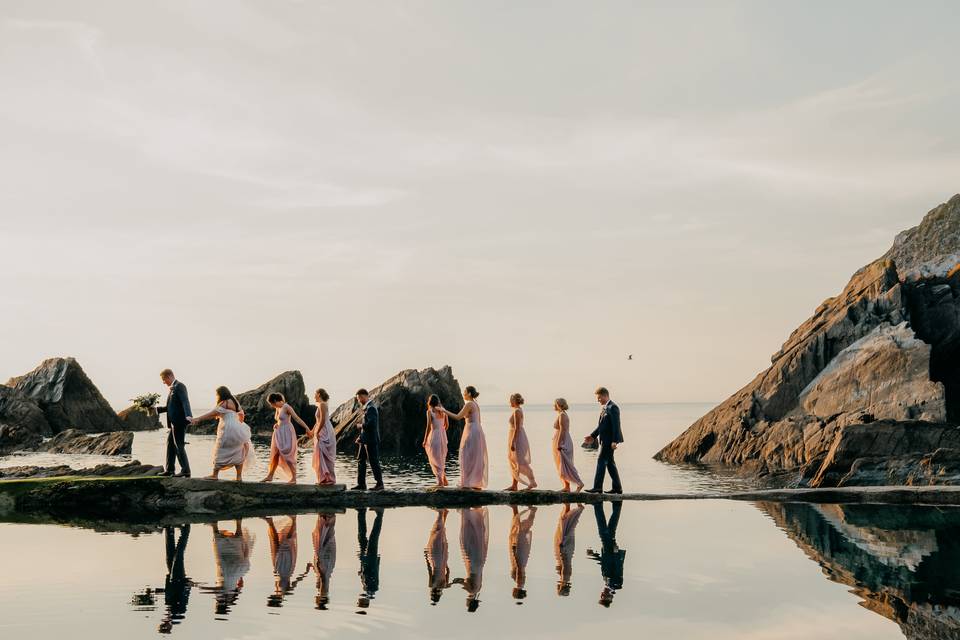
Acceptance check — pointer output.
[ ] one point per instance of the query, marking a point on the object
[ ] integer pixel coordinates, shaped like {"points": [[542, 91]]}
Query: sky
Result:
{"points": [[526, 191]]}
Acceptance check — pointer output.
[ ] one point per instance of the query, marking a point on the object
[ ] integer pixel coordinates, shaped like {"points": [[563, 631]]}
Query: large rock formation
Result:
{"points": [[886, 348], [258, 413], [898, 560], [134, 419], [68, 398], [22, 423], [402, 402], [75, 441]]}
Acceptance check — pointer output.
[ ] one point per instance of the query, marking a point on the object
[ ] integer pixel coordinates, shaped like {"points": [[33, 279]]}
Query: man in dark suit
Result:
{"points": [[176, 588], [609, 434], [369, 555], [369, 443], [611, 556], [179, 416]]}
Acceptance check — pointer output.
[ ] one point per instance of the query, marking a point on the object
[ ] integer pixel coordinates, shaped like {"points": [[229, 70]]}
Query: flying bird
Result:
{"points": [[630, 357]]}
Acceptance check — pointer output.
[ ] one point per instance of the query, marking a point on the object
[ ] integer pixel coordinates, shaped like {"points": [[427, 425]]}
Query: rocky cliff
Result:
{"points": [[22, 423], [402, 401], [886, 349], [67, 397]]}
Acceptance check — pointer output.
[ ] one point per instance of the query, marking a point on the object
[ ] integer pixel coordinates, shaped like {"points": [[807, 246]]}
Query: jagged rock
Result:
{"points": [[130, 469], [76, 441], [134, 419], [886, 373], [860, 358], [22, 423], [402, 401], [68, 398], [258, 413]]}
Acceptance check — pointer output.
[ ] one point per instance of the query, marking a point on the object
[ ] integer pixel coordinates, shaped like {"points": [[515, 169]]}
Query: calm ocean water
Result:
{"points": [[647, 427]]}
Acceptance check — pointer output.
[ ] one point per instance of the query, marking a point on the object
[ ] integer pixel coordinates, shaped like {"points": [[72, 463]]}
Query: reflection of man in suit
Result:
{"points": [[611, 556], [176, 591], [369, 555]]}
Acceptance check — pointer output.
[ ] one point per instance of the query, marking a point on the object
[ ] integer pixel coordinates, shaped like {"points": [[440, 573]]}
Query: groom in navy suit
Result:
{"points": [[369, 443], [609, 434], [179, 416]]}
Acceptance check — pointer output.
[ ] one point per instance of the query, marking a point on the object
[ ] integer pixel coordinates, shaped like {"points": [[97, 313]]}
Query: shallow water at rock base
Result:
{"points": [[681, 569]]}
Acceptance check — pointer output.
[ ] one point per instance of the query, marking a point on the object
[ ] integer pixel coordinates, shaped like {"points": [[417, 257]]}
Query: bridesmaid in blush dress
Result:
{"points": [[283, 552], [520, 540], [519, 447], [474, 540], [324, 441], [564, 545], [563, 447], [435, 439], [324, 556], [232, 556], [283, 445], [437, 554], [473, 444]]}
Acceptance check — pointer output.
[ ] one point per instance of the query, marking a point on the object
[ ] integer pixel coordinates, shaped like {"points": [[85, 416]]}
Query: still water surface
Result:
{"points": [[676, 569]]}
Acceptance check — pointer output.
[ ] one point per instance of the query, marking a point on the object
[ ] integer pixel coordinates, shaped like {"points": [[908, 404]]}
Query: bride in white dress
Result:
{"points": [[233, 447]]}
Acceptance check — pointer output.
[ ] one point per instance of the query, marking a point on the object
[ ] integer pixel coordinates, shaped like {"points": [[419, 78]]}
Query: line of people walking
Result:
{"points": [[233, 447]]}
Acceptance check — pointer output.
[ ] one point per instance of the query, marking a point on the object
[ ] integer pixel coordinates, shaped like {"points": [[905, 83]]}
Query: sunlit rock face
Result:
{"points": [[67, 397], [104, 444], [402, 401], [904, 562], [22, 423], [887, 348]]}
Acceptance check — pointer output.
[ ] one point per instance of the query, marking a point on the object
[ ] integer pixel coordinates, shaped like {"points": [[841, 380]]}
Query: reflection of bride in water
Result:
{"points": [[324, 555], [231, 553], [437, 554], [564, 544], [519, 542], [474, 539], [283, 552]]}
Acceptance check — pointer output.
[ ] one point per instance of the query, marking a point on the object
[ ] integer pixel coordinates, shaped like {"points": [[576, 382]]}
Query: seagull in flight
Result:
{"points": [[630, 357]]}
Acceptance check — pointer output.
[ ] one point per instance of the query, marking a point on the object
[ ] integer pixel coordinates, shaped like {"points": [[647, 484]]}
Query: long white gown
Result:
{"points": [[233, 446]]}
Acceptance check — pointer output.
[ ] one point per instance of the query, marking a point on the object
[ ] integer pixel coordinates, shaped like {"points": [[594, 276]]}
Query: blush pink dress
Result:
{"points": [[519, 454], [437, 553], [284, 442], [564, 543], [473, 452], [283, 552], [324, 450], [436, 446], [520, 541], [474, 541], [563, 452], [324, 553]]}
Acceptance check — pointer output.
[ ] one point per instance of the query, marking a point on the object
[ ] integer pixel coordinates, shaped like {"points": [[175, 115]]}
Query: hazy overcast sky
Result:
{"points": [[527, 191]]}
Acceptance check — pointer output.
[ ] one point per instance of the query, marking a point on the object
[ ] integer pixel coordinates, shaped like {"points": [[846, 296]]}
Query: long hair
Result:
{"points": [[433, 400], [223, 394]]}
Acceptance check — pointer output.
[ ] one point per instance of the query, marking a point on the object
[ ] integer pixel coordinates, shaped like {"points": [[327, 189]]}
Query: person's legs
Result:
{"points": [[180, 435], [272, 466], [601, 471], [362, 467], [614, 473], [171, 452], [374, 454]]}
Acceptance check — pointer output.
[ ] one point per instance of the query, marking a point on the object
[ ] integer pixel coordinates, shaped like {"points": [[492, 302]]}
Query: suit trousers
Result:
{"points": [[176, 450]]}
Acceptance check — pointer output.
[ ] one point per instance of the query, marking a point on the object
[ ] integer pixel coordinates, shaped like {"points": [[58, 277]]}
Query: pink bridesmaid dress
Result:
{"points": [[437, 553], [564, 545], [284, 442], [473, 452], [563, 452], [474, 540], [519, 454], [436, 446], [324, 451], [283, 552], [324, 554], [520, 541]]}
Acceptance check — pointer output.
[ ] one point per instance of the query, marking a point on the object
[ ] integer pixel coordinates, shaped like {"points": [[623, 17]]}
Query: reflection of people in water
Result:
{"points": [[324, 556], [564, 545], [519, 542], [283, 552], [437, 554], [369, 555], [231, 552], [611, 556], [176, 588], [474, 539]]}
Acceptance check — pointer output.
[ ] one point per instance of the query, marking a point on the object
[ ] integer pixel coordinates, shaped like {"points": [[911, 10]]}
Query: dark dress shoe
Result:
{"points": [[594, 491], [166, 474], [378, 487], [181, 475], [617, 491], [358, 488]]}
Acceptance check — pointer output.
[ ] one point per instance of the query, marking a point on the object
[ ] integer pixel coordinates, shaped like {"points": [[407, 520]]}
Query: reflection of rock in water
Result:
{"points": [[903, 561]]}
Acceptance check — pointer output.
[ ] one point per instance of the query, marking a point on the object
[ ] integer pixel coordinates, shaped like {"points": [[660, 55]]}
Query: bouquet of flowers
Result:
{"points": [[145, 403]]}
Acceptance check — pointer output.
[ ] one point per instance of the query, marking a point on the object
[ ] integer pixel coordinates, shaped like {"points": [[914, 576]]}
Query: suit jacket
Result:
{"points": [[177, 407], [370, 426], [608, 428]]}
